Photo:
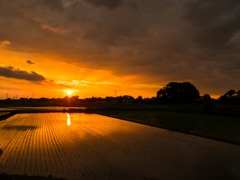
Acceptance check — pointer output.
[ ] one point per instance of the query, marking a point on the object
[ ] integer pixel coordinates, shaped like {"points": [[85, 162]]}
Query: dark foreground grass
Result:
{"points": [[225, 128], [24, 177], [6, 115]]}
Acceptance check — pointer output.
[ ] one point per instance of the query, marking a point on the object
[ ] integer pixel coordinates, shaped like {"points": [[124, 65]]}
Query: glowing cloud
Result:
{"points": [[5, 43]]}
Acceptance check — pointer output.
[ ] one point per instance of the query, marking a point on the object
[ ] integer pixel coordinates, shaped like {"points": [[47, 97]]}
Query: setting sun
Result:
{"points": [[69, 92]]}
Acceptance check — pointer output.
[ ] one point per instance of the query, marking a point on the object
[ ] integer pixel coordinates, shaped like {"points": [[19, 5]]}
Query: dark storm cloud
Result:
{"points": [[53, 4], [195, 40], [10, 72], [106, 3], [30, 62], [216, 21]]}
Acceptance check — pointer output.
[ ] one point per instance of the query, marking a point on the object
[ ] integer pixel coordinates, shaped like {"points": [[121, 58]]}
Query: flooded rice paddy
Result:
{"points": [[90, 146]]}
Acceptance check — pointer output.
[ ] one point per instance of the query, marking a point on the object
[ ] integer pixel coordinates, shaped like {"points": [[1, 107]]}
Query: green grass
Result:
{"points": [[212, 126]]}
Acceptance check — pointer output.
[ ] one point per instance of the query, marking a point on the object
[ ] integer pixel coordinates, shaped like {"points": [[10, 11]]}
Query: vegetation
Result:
{"points": [[175, 92], [230, 97], [6, 115], [181, 94], [24, 177]]}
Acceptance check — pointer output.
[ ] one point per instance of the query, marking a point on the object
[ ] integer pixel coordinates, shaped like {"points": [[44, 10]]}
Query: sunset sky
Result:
{"points": [[117, 47]]}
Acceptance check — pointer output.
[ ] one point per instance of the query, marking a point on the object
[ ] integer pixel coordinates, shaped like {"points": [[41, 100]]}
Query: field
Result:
{"points": [[90, 146], [224, 128]]}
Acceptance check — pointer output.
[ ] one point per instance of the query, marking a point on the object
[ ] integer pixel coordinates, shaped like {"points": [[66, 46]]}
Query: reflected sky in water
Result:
{"points": [[90, 146]]}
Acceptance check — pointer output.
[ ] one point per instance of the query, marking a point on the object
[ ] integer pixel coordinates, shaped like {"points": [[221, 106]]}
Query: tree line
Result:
{"points": [[172, 93]]}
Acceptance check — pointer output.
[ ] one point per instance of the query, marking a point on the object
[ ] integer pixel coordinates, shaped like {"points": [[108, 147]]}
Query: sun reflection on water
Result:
{"points": [[68, 119]]}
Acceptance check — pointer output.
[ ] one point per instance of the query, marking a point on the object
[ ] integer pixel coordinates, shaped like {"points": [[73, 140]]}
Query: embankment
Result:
{"points": [[6, 115]]}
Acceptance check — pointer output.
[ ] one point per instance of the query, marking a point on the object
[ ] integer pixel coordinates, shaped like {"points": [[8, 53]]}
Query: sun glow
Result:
{"points": [[68, 120], [69, 92]]}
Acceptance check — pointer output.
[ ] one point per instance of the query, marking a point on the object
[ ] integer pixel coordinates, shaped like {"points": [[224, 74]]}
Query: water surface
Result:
{"points": [[89, 146]]}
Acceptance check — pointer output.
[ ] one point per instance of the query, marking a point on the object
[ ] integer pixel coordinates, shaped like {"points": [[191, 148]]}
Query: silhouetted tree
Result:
{"points": [[208, 104], [178, 92], [238, 93], [139, 99], [207, 97], [230, 97], [127, 99], [230, 93]]}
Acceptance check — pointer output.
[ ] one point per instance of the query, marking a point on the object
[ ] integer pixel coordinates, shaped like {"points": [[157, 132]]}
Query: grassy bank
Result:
{"points": [[24, 177], [217, 127], [5, 115]]}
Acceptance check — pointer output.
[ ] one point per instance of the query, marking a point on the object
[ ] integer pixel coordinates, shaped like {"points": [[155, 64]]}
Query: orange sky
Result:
{"points": [[123, 47], [61, 76]]}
